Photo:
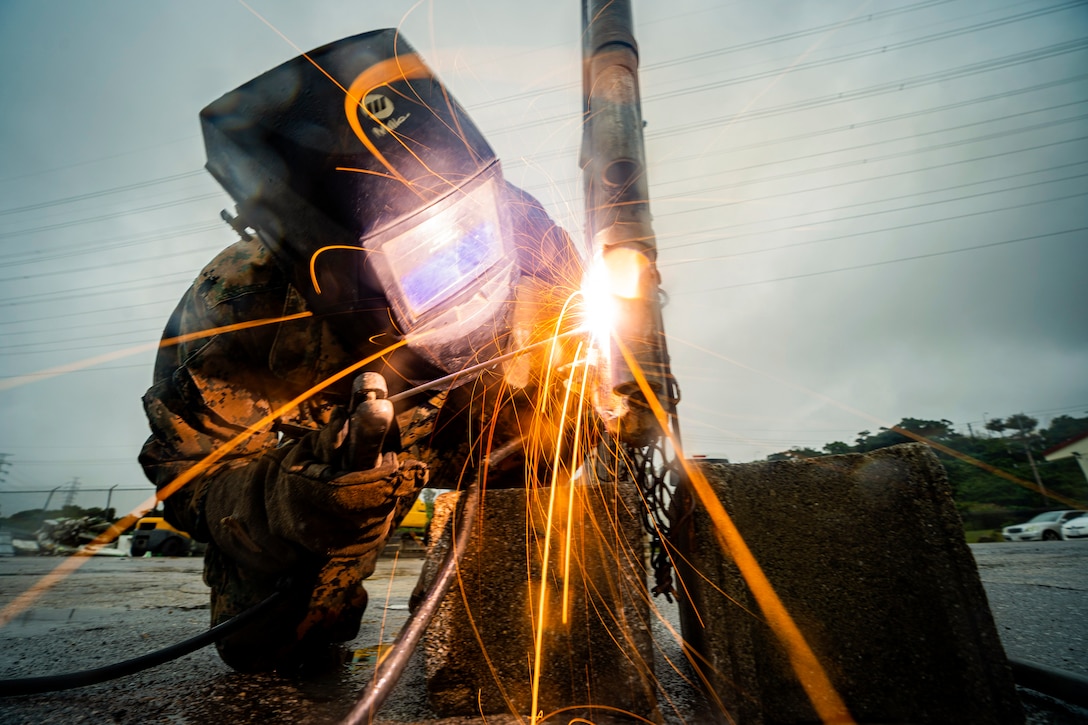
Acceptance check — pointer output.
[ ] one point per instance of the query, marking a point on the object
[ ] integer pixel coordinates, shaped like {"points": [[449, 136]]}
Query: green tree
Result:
{"points": [[900, 433], [1063, 428], [975, 487], [1021, 423], [794, 454]]}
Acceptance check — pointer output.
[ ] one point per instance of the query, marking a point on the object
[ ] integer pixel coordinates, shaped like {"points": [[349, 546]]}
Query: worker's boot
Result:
{"points": [[294, 636], [267, 638]]}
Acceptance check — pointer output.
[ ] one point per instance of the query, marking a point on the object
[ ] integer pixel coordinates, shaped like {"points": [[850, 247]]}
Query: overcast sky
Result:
{"points": [[865, 210]]}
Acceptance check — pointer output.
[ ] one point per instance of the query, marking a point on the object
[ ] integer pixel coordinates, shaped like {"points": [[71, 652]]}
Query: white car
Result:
{"points": [[1076, 527], [1044, 527]]}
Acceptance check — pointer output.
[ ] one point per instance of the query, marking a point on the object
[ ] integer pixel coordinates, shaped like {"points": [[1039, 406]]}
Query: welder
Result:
{"points": [[375, 222]]}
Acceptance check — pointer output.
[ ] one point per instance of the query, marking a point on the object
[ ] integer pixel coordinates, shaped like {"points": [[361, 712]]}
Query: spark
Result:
{"points": [[404, 68], [814, 680], [381, 630], [538, 643], [593, 707], [73, 563], [72, 367], [901, 431], [570, 500], [804, 54]]}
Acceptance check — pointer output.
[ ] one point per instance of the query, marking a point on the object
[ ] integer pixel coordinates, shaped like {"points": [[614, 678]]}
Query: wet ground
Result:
{"points": [[112, 609]]}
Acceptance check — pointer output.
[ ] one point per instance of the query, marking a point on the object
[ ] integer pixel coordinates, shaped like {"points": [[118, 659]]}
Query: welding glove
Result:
{"points": [[304, 503]]}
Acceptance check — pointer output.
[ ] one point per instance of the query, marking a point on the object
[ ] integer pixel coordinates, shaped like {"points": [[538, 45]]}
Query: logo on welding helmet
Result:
{"points": [[378, 106]]}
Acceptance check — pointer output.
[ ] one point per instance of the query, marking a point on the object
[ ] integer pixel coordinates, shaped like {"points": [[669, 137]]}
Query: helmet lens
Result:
{"points": [[447, 252]]}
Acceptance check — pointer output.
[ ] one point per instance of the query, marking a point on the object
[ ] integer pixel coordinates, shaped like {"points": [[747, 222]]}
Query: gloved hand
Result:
{"points": [[306, 499]]}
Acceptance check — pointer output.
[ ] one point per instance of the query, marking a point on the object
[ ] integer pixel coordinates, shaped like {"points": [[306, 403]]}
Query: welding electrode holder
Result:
{"points": [[369, 422]]}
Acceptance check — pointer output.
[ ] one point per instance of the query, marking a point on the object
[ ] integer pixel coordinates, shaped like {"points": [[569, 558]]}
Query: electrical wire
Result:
{"points": [[70, 680], [913, 82], [866, 233], [141, 185], [885, 262]]}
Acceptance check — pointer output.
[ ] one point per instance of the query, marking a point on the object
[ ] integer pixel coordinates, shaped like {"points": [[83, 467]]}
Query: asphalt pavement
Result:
{"points": [[111, 609]]}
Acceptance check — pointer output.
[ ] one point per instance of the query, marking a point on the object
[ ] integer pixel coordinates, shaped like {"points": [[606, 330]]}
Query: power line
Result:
{"points": [[728, 227], [100, 193], [106, 288], [36, 255], [880, 50], [918, 81], [115, 264], [113, 215], [946, 252], [869, 233], [900, 154], [682, 59], [670, 133], [80, 313], [140, 335], [910, 115], [870, 179]]}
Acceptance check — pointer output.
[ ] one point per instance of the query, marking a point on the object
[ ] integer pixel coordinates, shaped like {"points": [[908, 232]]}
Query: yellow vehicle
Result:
{"points": [[153, 534], [416, 518], [413, 528]]}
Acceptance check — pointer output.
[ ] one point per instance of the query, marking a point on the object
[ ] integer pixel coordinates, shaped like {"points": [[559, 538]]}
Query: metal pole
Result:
{"points": [[618, 221], [619, 229], [1031, 462]]}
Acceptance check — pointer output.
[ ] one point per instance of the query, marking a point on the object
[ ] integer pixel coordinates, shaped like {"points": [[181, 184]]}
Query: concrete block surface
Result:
{"points": [[867, 553], [480, 650]]}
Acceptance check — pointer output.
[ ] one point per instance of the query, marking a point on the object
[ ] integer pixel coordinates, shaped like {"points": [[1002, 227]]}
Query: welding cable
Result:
{"points": [[68, 681], [1070, 687], [389, 670]]}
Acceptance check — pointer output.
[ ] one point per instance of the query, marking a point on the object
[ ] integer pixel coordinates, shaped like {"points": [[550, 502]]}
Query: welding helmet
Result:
{"points": [[373, 187]]}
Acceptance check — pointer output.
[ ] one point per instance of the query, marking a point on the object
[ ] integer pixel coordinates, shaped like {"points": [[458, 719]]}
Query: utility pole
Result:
{"points": [[70, 497], [4, 463], [109, 497], [1031, 461]]}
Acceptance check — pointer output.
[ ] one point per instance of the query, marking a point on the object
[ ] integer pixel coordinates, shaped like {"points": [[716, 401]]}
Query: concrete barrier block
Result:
{"points": [[479, 650], [868, 555]]}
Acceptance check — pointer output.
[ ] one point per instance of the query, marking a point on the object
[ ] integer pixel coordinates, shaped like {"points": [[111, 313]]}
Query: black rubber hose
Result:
{"points": [[389, 671], [55, 683], [1066, 686]]}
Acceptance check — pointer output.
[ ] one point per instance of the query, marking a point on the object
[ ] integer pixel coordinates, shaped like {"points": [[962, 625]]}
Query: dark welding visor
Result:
{"points": [[356, 153]]}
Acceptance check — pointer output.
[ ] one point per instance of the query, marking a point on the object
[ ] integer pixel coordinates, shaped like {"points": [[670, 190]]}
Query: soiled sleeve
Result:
{"points": [[212, 392]]}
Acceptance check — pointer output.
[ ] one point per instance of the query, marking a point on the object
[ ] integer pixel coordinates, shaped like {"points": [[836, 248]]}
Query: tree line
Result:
{"points": [[1014, 444]]}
